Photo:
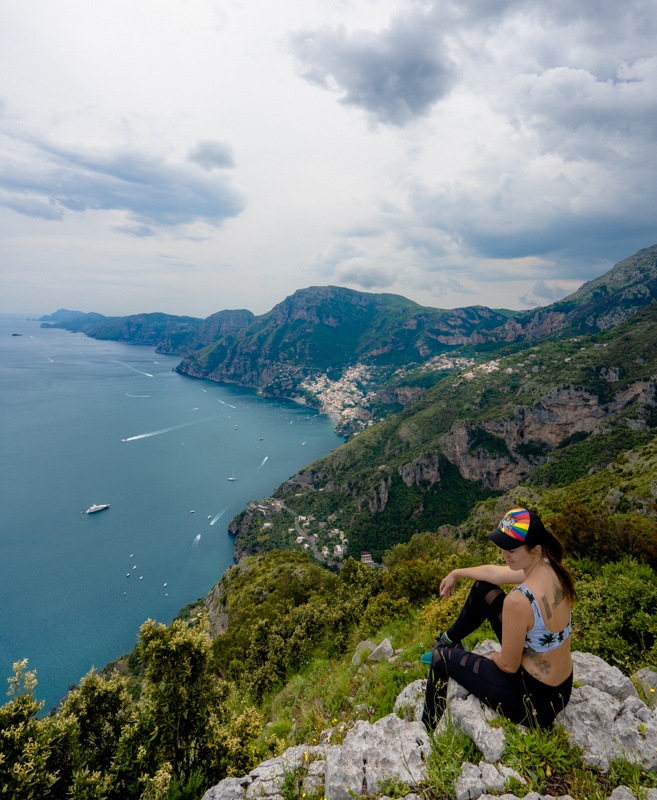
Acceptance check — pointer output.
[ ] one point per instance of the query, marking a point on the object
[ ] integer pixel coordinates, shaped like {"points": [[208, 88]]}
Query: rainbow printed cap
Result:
{"points": [[515, 528]]}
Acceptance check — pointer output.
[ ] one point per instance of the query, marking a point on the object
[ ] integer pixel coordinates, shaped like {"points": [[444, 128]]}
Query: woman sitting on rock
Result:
{"points": [[530, 680]]}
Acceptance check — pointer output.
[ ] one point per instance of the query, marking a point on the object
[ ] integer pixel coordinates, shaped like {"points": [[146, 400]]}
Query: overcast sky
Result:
{"points": [[189, 156]]}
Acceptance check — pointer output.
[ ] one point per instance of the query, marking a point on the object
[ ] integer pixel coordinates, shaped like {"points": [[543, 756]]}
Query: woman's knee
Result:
{"points": [[489, 596], [482, 588]]}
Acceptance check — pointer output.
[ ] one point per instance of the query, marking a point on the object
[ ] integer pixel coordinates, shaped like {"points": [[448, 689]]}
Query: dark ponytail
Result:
{"points": [[553, 551]]}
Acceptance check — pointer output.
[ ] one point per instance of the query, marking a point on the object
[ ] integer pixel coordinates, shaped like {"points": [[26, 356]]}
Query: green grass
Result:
{"points": [[449, 749]]}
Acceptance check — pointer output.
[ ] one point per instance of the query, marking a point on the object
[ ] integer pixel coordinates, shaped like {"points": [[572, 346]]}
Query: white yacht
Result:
{"points": [[97, 507]]}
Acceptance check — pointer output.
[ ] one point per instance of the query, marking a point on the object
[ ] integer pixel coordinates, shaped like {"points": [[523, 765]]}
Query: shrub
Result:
{"points": [[616, 616]]}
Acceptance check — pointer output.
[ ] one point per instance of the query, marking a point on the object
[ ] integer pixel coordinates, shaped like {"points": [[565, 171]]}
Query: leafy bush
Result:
{"points": [[616, 616], [602, 536]]}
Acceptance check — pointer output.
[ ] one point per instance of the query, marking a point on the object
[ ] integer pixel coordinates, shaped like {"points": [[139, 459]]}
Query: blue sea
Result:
{"points": [[85, 421]]}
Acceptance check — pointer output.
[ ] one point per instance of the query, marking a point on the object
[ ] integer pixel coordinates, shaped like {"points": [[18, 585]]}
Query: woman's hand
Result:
{"points": [[448, 583]]}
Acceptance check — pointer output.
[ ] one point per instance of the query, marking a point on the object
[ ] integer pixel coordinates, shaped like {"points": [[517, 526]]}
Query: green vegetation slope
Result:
{"points": [[548, 415]]}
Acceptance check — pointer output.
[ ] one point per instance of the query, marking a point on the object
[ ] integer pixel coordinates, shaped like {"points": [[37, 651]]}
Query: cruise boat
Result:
{"points": [[97, 507]]}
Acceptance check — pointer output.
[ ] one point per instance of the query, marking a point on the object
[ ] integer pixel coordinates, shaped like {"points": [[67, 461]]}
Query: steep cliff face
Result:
{"points": [[561, 414], [423, 471]]}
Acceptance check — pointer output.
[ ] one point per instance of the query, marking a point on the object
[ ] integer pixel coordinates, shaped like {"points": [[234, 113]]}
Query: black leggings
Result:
{"points": [[518, 695]]}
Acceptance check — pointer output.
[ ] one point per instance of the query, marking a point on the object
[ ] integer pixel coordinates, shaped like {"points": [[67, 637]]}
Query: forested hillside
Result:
{"points": [[547, 414]]}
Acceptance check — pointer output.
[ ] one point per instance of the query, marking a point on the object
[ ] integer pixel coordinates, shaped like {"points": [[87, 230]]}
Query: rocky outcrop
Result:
{"points": [[369, 756], [217, 611], [378, 497], [400, 395], [423, 471], [605, 718], [564, 411]]}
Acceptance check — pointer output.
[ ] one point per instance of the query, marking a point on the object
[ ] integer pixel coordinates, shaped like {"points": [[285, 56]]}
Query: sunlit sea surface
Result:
{"points": [[85, 421]]}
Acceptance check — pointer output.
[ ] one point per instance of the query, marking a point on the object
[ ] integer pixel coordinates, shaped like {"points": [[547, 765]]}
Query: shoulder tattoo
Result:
{"points": [[559, 595], [546, 606]]}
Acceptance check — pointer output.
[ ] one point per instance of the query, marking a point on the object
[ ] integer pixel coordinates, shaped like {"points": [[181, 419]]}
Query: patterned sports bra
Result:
{"points": [[539, 639]]}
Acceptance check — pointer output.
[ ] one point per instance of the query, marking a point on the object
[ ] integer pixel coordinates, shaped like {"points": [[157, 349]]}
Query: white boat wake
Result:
{"points": [[134, 369], [166, 430], [219, 515], [197, 539], [264, 461], [224, 404], [127, 394], [40, 341]]}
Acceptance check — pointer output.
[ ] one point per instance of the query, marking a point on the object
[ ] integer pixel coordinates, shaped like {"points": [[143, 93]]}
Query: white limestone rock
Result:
{"points": [[383, 651], [590, 670], [363, 650], [410, 701], [345, 772], [622, 793], [469, 784], [468, 715], [228, 789], [391, 748], [605, 728]]}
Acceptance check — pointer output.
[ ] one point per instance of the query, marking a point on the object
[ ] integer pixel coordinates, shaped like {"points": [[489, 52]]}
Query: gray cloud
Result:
{"points": [[212, 155], [325, 262], [30, 206], [152, 192], [542, 294], [366, 277], [396, 74], [136, 230], [506, 222], [580, 114], [574, 180]]}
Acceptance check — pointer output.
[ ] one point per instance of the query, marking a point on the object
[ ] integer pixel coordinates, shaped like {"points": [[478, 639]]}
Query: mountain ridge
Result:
{"points": [[359, 356], [573, 403], [375, 337], [168, 333]]}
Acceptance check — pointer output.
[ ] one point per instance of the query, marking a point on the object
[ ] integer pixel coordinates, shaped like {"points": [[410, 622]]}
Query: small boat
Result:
{"points": [[97, 507], [232, 477]]}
